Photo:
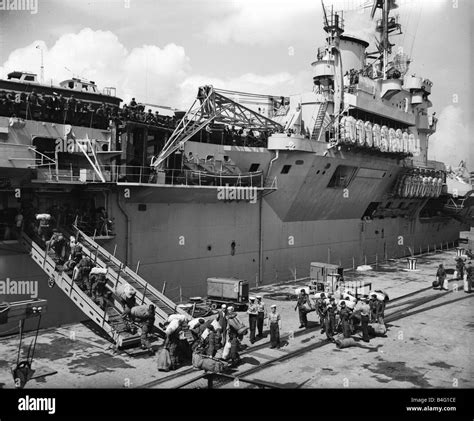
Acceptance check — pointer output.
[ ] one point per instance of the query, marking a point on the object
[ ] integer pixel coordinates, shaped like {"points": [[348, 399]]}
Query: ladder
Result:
{"points": [[109, 320], [319, 121], [119, 274]]}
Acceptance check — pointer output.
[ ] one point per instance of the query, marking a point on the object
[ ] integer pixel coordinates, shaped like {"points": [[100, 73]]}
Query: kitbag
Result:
{"points": [[197, 360], [212, 365], [139, 312], [164, 360]]}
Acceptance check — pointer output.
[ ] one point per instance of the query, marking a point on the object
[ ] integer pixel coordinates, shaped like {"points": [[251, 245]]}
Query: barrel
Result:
{"points": [[345, 343]]}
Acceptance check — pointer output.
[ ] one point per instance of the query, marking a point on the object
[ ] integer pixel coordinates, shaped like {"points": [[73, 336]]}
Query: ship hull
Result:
{"points": [[183, 244]]}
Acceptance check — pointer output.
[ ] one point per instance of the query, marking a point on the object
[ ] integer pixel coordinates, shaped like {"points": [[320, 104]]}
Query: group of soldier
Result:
{"points": [[75, 263], [59, 109], [341, 319]]}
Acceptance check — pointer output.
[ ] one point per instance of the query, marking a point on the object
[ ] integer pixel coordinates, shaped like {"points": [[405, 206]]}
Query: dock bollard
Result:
{"points": [[459, 251], [411, 263]]}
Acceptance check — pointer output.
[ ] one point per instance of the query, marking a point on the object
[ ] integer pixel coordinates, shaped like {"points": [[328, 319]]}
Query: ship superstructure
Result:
{"points": [[338, 174]]}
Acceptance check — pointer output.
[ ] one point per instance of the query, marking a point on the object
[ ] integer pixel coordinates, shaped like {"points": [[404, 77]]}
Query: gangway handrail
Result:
{"points": [[131, 273], [67, 285]]}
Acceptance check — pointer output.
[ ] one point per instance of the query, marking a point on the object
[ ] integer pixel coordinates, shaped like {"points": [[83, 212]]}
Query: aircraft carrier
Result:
{"points": [[338, 174]]}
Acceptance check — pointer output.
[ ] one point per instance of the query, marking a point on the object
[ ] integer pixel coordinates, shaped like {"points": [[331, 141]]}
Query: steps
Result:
{"points": [[110, 320], [319, 121]]}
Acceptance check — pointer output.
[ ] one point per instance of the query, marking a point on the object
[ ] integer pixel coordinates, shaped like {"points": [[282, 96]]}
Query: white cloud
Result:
{"points": [[268, 22], [452, 141], [149, 73], [264, 22]]}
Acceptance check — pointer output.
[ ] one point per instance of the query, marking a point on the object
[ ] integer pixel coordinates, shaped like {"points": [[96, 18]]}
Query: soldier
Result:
{"points": [[150, 118], [99, 290], [32, 101], [373, 308], [380, 312], [345, 316], [172, 344], [460, 268], [128, 301], [133, 103], [364, 319], [468, 277], [320, 304], [331, 319], [232, 337], [261, 316], [58, 244], [222, 320], [71, 104], [253, 314], [274, 323], [303, 301], [81, 276], [147, 328], [441, 275]]}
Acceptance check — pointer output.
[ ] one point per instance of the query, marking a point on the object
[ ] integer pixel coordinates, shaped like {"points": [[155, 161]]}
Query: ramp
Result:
{"points": [[118, 275]]}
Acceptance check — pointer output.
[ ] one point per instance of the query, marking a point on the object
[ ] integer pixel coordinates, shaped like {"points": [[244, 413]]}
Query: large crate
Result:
{"points": [[228, 289]]}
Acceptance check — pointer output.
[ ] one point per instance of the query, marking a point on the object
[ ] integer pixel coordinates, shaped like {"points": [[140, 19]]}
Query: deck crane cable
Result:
{"points": [[416, 29]]}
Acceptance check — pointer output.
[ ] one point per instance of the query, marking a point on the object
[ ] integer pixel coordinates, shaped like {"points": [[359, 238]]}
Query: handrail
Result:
{"points": [[188, 177]]}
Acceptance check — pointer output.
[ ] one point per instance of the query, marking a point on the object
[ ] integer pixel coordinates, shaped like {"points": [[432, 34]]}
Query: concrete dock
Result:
{"points": [[430, 346]]}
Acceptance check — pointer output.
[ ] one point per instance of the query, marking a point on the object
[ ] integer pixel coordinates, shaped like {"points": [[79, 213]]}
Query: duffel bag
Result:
{"points": [[98, 271], [219, 353], [194, 323], [172, 327], [435, 284], [163, 360], [378, 329], [212, 365], [226, 350], [307, 308], [197, 360], [140, 312], [180, 317]]}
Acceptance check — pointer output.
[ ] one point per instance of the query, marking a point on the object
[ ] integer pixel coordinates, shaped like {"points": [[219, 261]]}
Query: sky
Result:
{"points": [[160, 51]]}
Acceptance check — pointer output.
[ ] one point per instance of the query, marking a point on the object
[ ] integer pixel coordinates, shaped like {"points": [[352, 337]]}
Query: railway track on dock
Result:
{"points": [[406, 305]]}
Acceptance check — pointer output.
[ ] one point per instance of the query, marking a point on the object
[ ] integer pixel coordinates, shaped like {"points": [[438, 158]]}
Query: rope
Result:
{"points": [[416, 29]]}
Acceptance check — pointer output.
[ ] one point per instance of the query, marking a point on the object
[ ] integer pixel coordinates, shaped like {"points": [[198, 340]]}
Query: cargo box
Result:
{"points": [[228, 289]]}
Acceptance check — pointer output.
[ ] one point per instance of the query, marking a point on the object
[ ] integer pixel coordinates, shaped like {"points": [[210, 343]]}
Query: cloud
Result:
{"points": [[264, 22], [269, 22], [452, 141], [149, 73]]}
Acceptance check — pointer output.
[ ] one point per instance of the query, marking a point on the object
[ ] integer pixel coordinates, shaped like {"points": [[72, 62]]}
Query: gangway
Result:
{"points": [[119, 274], [109, 320]]}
